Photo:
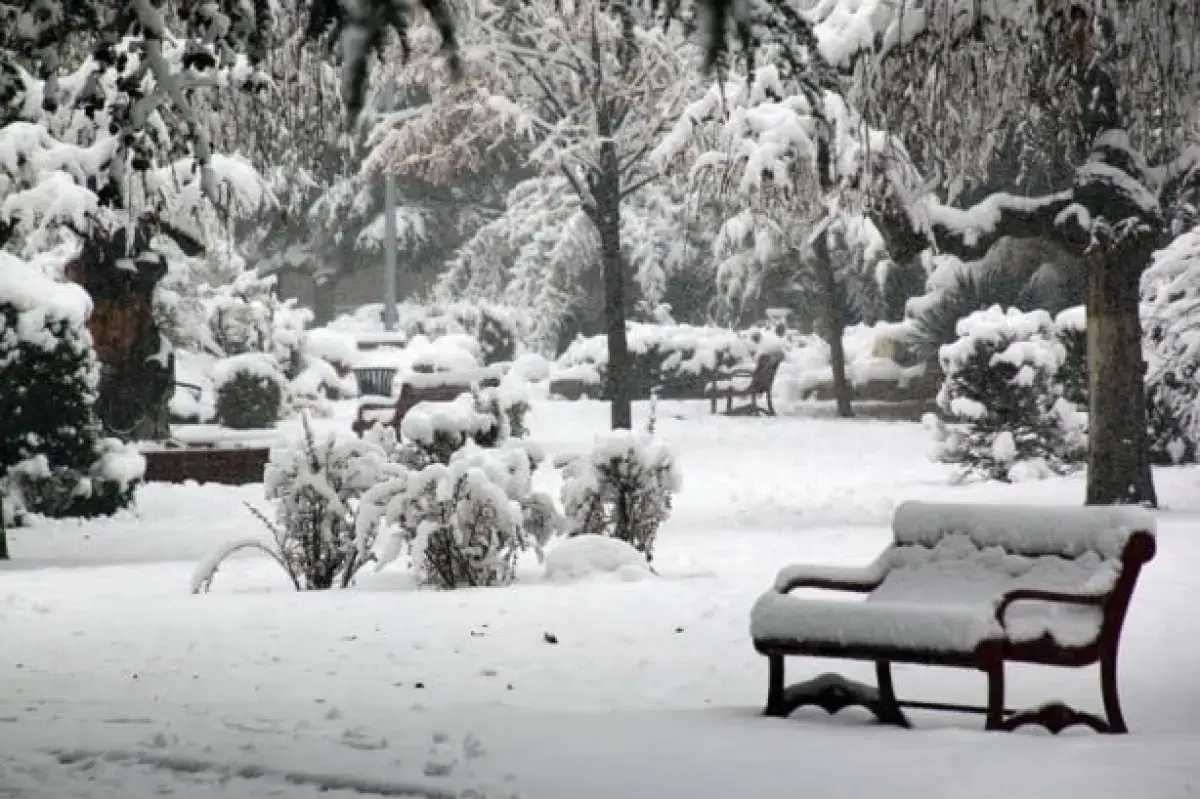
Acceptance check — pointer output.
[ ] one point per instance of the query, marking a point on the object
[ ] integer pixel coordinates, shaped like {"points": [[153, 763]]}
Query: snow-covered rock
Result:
{"points": [[584, 556]]}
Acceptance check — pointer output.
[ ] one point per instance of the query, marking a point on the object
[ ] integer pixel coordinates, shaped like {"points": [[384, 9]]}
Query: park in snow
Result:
{"points": [[116, 682]]}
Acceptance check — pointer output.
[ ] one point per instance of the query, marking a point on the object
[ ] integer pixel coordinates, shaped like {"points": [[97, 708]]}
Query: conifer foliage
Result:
{"points": [[53, 457]]}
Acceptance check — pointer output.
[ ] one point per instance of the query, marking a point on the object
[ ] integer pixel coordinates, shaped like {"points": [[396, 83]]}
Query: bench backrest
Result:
{"points": [[972, 555], [1030, 530], [765, 368]]}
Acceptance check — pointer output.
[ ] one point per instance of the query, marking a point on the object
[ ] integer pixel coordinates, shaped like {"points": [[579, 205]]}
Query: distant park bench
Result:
{"points": [[967, 586], [421, 387], [747, 383]]}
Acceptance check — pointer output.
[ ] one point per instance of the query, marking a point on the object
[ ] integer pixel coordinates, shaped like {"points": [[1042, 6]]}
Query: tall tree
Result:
{"points": [[1125, 73], [103, 148], [582, 89]]}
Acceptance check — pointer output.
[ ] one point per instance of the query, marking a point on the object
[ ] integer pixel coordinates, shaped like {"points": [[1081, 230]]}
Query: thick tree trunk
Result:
{"points": [[324, 294], [835, 325], [137, 366], [1118, 462], [607, 218]]}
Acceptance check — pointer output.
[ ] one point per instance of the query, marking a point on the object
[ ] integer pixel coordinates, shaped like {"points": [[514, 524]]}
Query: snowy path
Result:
{"points": [[115, 683]]}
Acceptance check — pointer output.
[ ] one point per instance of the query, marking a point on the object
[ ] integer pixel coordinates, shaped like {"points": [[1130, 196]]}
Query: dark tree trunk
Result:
{"points": [[835, 325], [3, 535], [607, 217], [324, 294], [137, 367], [1118, 461]]}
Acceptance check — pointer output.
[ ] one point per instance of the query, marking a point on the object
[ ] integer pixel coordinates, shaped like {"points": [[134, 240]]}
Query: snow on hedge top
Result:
{"points": [[1074, 318], [255, 364], [458, 418], [334, 346], [1031, 530], [1027, 338], [690, 349], [29, 289]]}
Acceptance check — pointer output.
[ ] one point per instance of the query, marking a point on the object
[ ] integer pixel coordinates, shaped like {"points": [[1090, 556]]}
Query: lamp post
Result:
{"points": [[389, 236]]}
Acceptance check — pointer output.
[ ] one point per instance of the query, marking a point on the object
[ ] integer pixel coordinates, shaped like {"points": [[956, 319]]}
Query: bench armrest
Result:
{"points": [[860, 579], [1034, 594], [375, 406]]}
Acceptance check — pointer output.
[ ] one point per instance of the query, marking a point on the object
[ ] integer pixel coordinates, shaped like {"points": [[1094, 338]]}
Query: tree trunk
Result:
{"points": [[324, 295], [834, 324], [3, 534], [607, 218], [1118, 462], [137, 365]]}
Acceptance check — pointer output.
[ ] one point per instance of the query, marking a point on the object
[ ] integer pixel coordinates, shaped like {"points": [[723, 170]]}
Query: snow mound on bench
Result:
{"points": [[943, 599], [1026, 530], [585, 556]]}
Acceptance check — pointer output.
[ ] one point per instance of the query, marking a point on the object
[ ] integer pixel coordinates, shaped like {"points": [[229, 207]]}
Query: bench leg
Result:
{"points": [[832, 693], [775, 687], [887, 697], [995, 703], [1057, 716], [1108, 689]]}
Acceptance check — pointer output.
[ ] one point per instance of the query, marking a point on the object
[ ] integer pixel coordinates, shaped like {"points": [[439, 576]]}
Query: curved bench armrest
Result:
{"points": [[1036, 595], [860, 579]]}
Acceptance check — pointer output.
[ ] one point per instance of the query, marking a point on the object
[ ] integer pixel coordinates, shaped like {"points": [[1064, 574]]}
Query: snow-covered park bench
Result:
{"points": [[748, 383], [967, 586], [421, 387]]}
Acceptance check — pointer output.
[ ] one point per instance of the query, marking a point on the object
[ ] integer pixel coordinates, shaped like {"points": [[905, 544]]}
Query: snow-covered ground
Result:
{"points": [[116, 683]]}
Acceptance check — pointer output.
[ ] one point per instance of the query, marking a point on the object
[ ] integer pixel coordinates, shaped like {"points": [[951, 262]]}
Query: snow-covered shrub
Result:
{"points": [[326, 496], [677, 360], [53, 458], [250, 391], [531, 368], [1001, 404], [1171, 342], [1071, 330], [465, 522], [623, 488]]}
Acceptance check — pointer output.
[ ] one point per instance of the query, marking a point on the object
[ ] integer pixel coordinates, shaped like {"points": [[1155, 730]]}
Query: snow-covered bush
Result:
{"points": [[623, 488], [1171, 341], [676, 360], [250, 391], [1002, 406], [1071, 330], [326, 510], [466, 519], [53, 458]]}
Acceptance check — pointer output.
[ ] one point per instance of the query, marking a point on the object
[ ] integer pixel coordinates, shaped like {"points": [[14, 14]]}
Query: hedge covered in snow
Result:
{"points": [[677, 360]]}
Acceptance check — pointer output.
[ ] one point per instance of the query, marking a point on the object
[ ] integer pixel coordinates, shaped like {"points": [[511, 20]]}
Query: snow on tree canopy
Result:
{"points": [[29, 290]]}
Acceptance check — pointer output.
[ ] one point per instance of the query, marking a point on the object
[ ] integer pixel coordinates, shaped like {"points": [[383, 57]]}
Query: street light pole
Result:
{"points": [[389, 252], [389, 236]]}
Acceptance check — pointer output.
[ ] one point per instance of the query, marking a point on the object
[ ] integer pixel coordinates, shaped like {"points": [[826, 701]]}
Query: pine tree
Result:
{"points": [[53, 459]]}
